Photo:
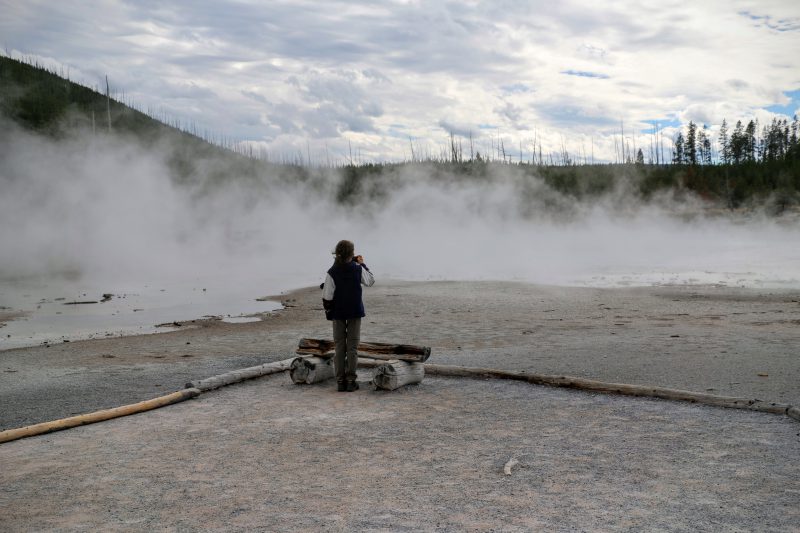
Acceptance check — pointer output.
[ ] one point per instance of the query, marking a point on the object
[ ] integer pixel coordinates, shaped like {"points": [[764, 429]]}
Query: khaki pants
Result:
{"points": [[346, 335]]}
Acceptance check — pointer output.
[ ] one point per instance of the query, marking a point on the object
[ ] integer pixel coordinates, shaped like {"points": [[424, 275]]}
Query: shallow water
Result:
{"points": [[134, 308]]}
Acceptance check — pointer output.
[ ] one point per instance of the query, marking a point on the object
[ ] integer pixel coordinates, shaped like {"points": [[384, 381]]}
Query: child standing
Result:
{"points": [[341, 298]]}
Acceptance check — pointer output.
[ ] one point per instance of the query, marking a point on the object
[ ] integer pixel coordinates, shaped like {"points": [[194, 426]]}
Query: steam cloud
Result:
{"points": [[106, 208]]}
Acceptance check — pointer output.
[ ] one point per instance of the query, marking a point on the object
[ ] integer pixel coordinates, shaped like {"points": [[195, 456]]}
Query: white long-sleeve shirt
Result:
{"points": [[367, 279]]}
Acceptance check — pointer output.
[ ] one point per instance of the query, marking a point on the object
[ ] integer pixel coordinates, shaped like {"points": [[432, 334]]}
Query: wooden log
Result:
{"points": [[236, 376], [98, 416], [375, 350], [395, 374], [614, 388], [310, 370]]}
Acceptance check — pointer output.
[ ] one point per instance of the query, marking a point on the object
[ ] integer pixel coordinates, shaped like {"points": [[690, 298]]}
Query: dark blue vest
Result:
{"points": [[347, 303]]}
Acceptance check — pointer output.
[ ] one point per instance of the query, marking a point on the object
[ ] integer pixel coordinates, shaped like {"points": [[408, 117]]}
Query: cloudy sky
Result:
{"points": [[321, 77]]}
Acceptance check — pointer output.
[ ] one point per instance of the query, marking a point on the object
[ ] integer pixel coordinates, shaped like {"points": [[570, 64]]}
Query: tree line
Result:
{"points": [[776, 141]]}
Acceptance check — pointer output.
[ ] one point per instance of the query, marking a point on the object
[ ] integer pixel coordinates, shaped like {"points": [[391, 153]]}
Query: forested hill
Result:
{"points": [[43, 101], [50, 105]]}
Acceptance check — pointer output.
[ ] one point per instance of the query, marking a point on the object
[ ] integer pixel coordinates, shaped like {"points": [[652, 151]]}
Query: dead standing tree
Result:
{"points": [[108, 104]]}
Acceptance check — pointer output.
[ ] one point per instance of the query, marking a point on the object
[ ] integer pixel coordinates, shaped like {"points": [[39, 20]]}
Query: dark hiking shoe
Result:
{"points": [[352, 386], [341, 386]]}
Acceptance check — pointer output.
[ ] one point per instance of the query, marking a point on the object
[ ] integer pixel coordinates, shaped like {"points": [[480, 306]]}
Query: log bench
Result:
{"points": [[403, 364], [374, 350]]}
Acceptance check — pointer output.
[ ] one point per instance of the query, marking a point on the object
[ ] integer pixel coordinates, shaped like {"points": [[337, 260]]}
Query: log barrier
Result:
{"points": [[97, 416], [195, 388]]}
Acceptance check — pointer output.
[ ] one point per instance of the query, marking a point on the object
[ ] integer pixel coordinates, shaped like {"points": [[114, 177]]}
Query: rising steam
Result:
{"points": [[107, 208]]}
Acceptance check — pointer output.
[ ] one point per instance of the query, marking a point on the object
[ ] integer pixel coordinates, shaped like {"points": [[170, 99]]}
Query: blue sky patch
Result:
{"points": [[779, 25], [789, 109], [516, 88], [585, 74], [752, 16], [661, 123]]}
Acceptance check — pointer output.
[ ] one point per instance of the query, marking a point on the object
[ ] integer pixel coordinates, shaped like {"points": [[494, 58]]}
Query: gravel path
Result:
{"points": [[267, 455]]}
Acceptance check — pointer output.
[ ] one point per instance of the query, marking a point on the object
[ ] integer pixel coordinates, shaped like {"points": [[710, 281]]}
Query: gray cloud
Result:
{"points": [[336, 102], [462, 130], [737, 84], [255, 96], [514, 114], [188, 90], [286, 117], [564, 113]]}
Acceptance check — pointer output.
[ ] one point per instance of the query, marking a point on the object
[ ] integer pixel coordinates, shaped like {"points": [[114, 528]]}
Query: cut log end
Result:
{"points": [[307, 370], [395, 374]]}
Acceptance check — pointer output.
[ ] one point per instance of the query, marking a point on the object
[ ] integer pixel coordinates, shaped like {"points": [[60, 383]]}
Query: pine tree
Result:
{"points": [[690, 148], [678, 156], [704, 146], [723, 142], [775, 140], [639, 157], [750, 141], [786, 142], [737, 144], [701, 145]]}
